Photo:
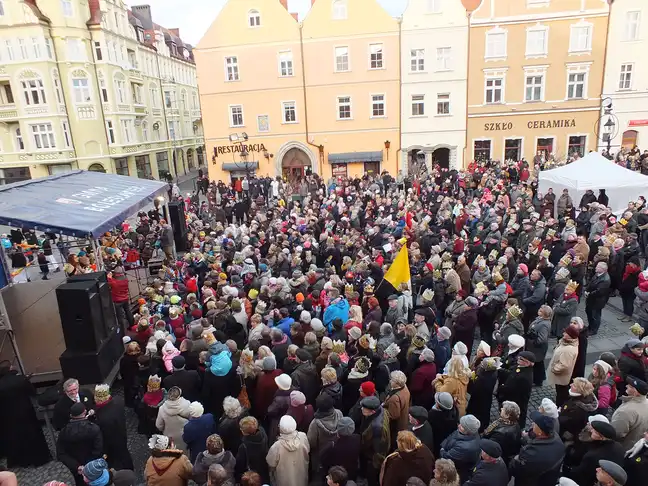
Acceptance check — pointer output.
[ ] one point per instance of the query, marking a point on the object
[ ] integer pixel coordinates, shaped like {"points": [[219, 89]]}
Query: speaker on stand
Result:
{"points": [[179, 224]]}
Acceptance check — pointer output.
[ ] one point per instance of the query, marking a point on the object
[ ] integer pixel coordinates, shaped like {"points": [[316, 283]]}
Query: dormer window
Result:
{"points": [[254, 18], [174, 49], [139, 33], [340, 11]]}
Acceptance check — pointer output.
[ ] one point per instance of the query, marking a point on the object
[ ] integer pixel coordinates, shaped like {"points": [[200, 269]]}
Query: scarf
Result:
{"points": [[630, 270], [153, 399]]}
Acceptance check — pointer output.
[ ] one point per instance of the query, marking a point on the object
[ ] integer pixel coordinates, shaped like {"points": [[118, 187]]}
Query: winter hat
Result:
{"points": [[283, 381], [485, 347], [303, 355], [196, 409], [269, 363], [345, 426], [445, 332], [305, 317], [178, 362], [460, 349], [597, 418], [606, 367], [549, 408], [572, 331], [427, 355], [563, 481], [327, 343], [418, 413], [299, 298], [159, 442], [287, 425], [370, 403], [470, 424], [368, 388], [316, 325], [524, 268], [297, 398], [77, 409], [444, 399], [354, 333], [324, 402], [96, 472], [515, 341]]}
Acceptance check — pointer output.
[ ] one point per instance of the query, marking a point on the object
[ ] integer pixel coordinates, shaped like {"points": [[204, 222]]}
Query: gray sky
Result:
{"points": [[193, 17]]}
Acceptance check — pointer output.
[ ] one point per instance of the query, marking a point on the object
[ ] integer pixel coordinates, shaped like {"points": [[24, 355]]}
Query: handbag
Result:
{"points": [[243, 396]]}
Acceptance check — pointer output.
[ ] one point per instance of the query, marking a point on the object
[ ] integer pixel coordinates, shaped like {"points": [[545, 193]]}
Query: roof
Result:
{"points": [[348, 157], [78, 203], [37, 11]]}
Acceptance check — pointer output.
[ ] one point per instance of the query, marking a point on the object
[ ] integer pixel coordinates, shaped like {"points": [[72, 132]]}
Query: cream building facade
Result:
{"points": [[282, 97], [87, 85], [535, 77], [434, 71], [626, 75]]}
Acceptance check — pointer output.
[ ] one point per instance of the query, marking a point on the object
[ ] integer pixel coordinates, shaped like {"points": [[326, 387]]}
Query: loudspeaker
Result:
{"points": [[179, 224], [103, 289], [93, 367], [95, 276], [82, 315]]}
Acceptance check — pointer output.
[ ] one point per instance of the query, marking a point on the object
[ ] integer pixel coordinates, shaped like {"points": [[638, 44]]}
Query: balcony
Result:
{"points": [[140, 109], [40, 156], [173, 112], [8, 112], [138, 148], [123, 108], [36, 110], [195, 114]]}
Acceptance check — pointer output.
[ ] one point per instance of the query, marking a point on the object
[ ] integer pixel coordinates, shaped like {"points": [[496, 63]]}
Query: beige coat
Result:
{"points": [[171, 419], [457, 387], [288, 460], [562, 362], [453, 281], [174, 466], [630, 420], [397, 406]]}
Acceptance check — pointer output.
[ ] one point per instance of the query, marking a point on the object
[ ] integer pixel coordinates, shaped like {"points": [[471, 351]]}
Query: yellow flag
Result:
{"points": [[399, 271]]}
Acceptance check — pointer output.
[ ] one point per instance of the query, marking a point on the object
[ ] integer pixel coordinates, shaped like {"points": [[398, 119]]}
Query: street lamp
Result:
{"points": [[609, 130], [607, 127]]}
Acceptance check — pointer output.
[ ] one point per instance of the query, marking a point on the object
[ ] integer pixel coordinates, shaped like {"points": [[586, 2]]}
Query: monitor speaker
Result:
{"points": [[103, 289], [93, 367], [82, 315], [179, 224]]}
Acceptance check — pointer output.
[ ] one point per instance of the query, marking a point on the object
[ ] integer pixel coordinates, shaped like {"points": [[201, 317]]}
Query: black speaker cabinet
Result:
{"points": [[96, 276], [94, 366], [179, 224], [82, 316], [103, 289]]}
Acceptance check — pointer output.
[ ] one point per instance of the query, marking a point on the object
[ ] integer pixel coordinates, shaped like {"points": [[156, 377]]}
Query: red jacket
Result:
{"points": [[119, 288]]}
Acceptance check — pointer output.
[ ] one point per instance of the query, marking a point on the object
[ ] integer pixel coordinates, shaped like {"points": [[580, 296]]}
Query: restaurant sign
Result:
{"points": [[240, 147], [532, 124]]}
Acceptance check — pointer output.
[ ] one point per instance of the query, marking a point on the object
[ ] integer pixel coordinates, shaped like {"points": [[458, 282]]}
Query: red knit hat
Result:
{"points": [[430, 267], [368, 388], [572, 331]]}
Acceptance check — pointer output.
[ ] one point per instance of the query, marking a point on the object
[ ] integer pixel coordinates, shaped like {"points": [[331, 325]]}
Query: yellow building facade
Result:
{"points": [[535, 78], [282, 98], [87, 85]]}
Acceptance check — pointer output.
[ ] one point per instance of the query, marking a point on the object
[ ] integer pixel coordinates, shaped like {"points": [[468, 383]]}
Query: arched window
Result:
{"points": [[97, 168], [254, 18], [340, 10], [81, 91], [120, 88], [33, 88], [183, 98]]}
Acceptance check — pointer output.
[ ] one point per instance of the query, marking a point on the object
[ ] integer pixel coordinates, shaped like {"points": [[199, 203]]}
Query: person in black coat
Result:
{"points": [[465, 323], [636, 463], [344, 451], [21, 436], [187, 380], [129, 369], [111, 419], [518, 384], [506, 431], [481, 391], [491, 470], [251, 454], [216, 388], [72, 395], [574, 413], [444, 418], [79, 442], [420, 427], [602, 446]]}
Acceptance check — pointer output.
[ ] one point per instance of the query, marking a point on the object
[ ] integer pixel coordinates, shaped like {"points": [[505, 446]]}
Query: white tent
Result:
{"points": [[595, 172]]}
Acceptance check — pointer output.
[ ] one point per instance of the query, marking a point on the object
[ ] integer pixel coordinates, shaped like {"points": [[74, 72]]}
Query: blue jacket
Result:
{"points": [[442, 351], [195, 434], [221, 363], [338, 310], [464, 450], [284, 324]]}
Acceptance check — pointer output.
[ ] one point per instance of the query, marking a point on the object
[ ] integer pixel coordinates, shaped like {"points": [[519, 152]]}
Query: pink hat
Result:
{"points": [[524, 268]]}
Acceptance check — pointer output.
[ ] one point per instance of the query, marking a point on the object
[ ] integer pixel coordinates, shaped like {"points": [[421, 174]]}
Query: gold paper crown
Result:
{"points": [[545, 253], [571, 287], [362, 365], [369, 289], [493, 254], [101, 393], [497, 277], [436, 273], [338, 347], [514, 311], [418, 341], [348, 288], [153, 384]]}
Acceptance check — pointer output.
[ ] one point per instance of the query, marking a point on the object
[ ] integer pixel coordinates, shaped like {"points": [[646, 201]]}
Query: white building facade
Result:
{"points": [[626, 75], [434, 73]]}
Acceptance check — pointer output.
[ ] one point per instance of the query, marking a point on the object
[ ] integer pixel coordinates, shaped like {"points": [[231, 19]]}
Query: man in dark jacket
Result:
{"points": [[344, 451], [602, 446], [187, 380], [491, 469], [419, 425], [462, 446], [539, 462], [79, 442], [444, 418], [534, 298], [252, 452], [110, 417], [72, 395], [305, 378], [596, 296], [375, 438], [518, 384]]}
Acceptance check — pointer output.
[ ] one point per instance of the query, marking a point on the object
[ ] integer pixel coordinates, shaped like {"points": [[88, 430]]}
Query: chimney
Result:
{"points": [[143, 13], [284, 3], [295, 16]]}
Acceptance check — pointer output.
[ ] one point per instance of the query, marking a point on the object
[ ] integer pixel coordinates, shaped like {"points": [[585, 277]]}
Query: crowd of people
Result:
{"points": [[270, 353]]}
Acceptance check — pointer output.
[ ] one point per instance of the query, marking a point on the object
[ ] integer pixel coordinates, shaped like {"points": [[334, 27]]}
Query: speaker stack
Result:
{"points": [[179, 224], [90, 328]]}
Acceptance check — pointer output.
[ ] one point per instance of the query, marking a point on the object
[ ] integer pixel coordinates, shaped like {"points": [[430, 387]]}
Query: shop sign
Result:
{"points": [[497, 126], [241, 147], [638, 123], [534, 124]]}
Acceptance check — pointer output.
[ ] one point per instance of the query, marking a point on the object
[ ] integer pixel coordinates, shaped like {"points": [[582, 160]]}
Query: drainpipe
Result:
{"points": [[465, 154], [320, 148], [400, 90]]}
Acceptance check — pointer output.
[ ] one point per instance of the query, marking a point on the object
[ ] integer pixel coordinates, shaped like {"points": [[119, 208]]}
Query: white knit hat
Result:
{"points": [[284, 381], [287, 425], [196, 409]]}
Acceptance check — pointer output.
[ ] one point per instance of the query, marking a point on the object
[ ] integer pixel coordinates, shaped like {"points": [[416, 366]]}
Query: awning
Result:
{"points": [[77, 203], [243, 166], [349, 157]]}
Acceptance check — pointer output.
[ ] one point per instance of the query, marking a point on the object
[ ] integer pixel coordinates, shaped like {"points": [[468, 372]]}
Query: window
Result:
{"points": [[6, 95], [289, 111], [285, 63], [231, 69], [36, 46], [236, 116], [137, 93], [20, 144], [194, 100], [66, 5], [81, 90], [156, 131], [375, 56], [110, 130], [98, 53], [377, 105], [104, 90], [340, 10], [577, 145], [43, 136], [24, 54], [145, 132], [263, 123], [580, 39], [132, 59], [155, 95], [444, 58], [344, 107], [339, 171], [536, 41], [127, 131], [434, 6], [1, 8], [417, 57], [120, 87], [57, 88], [121, 166], [418, 105], [443, 104], [172, 129], [66, 134], [513, 149], [10, 51], [163, 163], [633, 22], [482, 150], [533, 88], [34, 92], [576, 86], [76, 50], [494, 90], [254, 18], [341, 59], [495, 45], [48, 48], [625, 80]]}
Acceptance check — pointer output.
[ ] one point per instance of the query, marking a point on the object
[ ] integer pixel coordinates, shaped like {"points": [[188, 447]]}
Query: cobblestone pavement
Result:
{"points": [[611, 337]]}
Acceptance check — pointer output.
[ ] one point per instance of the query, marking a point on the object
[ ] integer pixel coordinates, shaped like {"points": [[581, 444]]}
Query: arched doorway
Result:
{"points": [[441, 157], [97, 168], [190, 158], [201, 156], [295, 163], [416, 163]]}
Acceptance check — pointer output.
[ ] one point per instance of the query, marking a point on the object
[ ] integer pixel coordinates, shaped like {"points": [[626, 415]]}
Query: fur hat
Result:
{"points": [[102, 393]]}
